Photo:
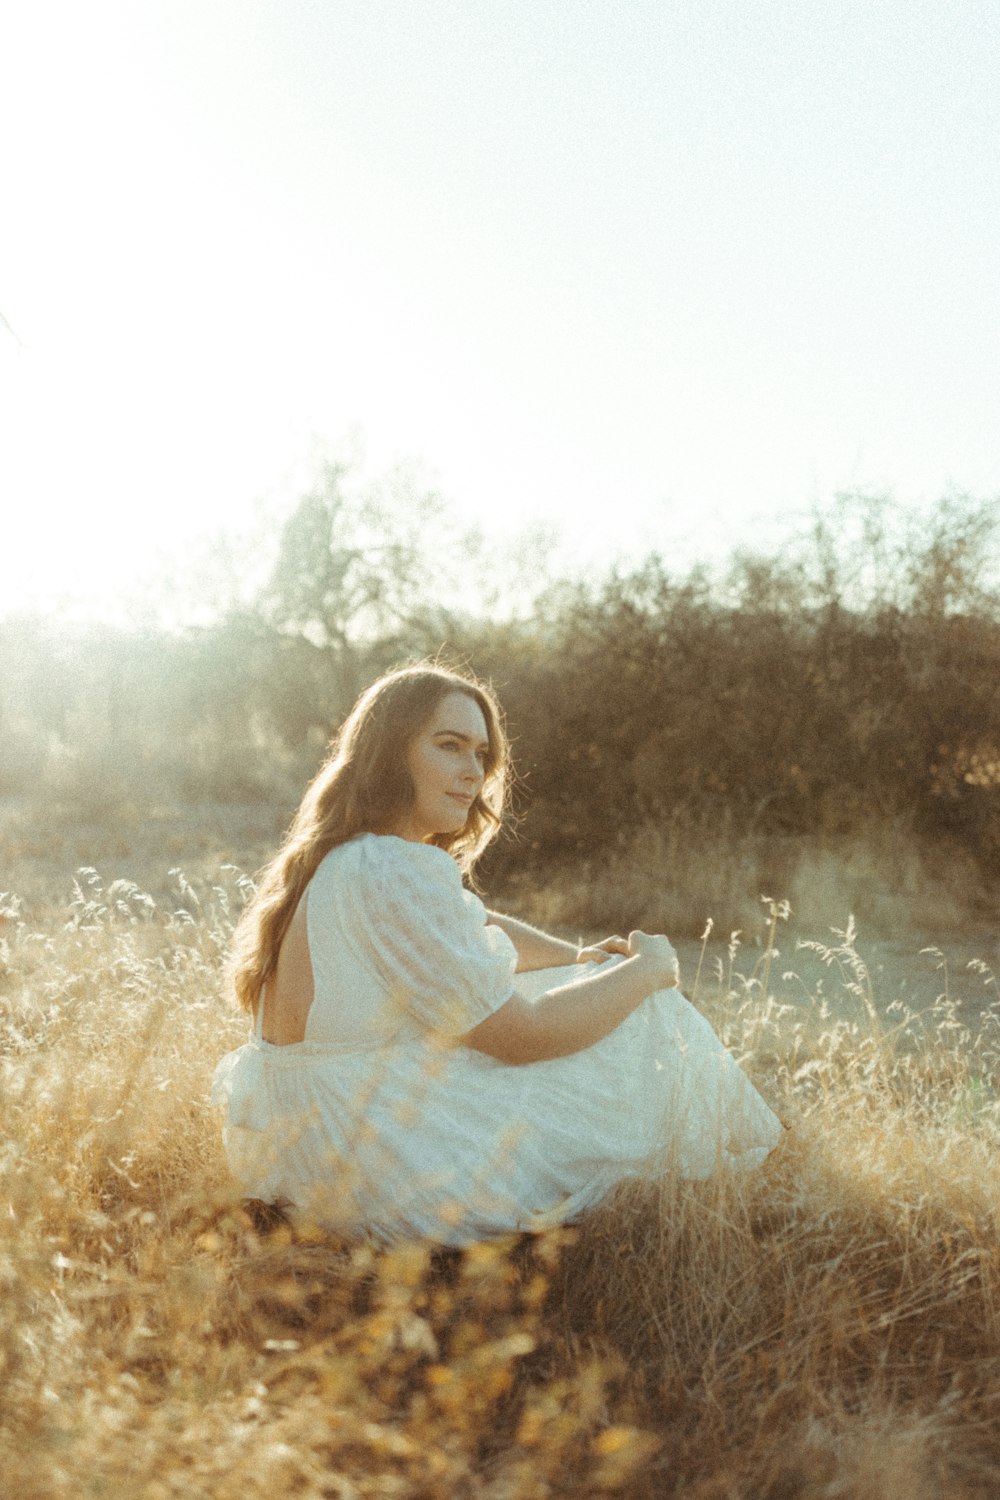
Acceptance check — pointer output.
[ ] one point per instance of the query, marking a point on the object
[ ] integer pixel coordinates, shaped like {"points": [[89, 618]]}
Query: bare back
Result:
{"points": [[288, 996]]}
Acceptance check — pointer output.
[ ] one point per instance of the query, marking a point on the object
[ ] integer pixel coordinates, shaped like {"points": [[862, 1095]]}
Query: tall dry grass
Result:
{"points": [[669, 873], [826, 1327]]}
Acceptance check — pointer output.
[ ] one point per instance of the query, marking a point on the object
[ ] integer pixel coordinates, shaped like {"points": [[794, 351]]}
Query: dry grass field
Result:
{"points": [[827, 1327]]}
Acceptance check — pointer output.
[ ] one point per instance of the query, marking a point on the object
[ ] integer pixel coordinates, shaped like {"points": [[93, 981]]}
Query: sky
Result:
{"points": [[662, 274]]}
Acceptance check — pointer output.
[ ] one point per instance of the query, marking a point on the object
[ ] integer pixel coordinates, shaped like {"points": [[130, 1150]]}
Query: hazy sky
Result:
{"points": [[662, 271]]}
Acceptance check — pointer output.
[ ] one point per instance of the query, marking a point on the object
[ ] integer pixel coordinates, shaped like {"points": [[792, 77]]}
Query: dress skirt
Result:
{"points": [[429, 1138]]}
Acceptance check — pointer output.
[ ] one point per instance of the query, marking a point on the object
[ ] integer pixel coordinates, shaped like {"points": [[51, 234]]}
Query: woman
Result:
{"points": [[422, 1066]]}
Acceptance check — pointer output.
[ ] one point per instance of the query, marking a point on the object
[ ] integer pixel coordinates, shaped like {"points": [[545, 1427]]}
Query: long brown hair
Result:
{"points": [[364, 786]]}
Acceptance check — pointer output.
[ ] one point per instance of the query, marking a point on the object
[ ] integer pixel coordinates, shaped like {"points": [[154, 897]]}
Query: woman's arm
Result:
{"points": [[578, 1014], [535, 949], [539, 950]]}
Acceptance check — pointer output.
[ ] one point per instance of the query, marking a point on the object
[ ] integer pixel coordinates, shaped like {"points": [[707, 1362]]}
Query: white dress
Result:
{"points": [[377, 1123]]}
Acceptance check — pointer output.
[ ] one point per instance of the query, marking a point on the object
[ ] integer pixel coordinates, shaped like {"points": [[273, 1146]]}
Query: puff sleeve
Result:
{"points": [[427, 937]]}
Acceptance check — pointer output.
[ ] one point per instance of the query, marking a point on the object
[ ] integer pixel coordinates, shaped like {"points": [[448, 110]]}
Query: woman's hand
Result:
{"points": [[656, 953], [597, 953]]}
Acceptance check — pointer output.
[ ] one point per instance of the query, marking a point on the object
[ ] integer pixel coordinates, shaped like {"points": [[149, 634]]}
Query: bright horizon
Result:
{"points": [[662, 277]]}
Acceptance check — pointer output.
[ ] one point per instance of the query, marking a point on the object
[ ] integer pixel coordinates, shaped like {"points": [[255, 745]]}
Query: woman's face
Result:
{"points": [[447, 763]]}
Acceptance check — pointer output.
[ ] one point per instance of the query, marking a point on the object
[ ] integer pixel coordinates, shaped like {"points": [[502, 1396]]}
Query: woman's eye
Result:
{"points": [[481, 755]]}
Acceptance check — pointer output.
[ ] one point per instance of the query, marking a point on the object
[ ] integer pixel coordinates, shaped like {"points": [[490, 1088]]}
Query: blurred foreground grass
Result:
{"points": [[828, 1326]]}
